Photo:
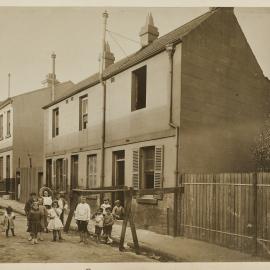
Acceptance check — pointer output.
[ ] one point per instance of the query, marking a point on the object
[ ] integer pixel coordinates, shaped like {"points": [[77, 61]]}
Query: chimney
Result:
{"points": [[51, 80], [108, 56], [148, 32]]}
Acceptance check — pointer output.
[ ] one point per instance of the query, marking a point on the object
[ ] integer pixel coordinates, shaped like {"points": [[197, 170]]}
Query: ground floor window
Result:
{"points": [[91, 171], [8, 166], [147, 167]]}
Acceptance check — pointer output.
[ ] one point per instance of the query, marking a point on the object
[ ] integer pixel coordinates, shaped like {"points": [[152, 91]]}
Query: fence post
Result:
{"points": [[255, 216]]}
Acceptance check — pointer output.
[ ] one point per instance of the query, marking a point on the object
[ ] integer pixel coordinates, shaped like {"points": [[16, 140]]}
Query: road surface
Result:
{"points": [[18, 249]]}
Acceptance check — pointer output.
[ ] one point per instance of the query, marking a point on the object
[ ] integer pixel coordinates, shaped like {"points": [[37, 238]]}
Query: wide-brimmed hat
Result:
{"points": [[43, 189]]}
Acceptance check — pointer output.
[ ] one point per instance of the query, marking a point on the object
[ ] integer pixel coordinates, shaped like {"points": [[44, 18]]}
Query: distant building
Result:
{"points": [[21, 137], [190, 101]]}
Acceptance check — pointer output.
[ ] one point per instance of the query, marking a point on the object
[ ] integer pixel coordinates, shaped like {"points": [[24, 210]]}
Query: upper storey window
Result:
{"points": [[83, 112], [138, 89], [55, 122]]}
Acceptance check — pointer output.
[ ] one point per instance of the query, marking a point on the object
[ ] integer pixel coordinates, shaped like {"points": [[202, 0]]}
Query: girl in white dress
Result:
{"points": [[55, 225]]}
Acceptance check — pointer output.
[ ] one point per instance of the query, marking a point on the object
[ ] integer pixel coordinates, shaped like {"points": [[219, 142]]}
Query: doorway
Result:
{"points": [[119, 174], [74, 171]]}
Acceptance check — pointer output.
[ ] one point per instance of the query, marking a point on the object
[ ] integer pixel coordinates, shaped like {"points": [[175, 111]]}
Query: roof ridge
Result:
{"points": [[142, 54]]}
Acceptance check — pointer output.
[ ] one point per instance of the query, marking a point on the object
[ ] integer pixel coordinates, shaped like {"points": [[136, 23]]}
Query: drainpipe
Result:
{"points": [[103, 84], [171, 49]]}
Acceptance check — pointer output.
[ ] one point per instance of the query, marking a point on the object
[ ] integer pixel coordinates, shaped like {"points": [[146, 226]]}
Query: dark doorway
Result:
{"points": [[49, 173], [40, 180], [74, 171], [119, 174]]}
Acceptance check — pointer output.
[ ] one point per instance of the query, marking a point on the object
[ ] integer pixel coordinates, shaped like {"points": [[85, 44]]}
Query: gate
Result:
{"points": [[229, 209]]}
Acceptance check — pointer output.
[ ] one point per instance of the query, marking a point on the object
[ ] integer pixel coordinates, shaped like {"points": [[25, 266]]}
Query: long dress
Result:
{"points": [[55, 222], [35, 222]]}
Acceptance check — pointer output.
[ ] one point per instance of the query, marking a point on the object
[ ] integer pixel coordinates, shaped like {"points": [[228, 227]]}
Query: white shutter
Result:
{"points": [[136, 169], [158, 172], [65, 174]]}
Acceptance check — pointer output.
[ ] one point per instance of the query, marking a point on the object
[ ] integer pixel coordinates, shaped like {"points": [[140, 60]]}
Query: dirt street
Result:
{"points": [[19, 249]]}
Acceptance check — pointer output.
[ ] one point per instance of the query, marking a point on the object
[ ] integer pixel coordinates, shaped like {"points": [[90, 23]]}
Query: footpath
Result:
{"points": [[177, 249]]}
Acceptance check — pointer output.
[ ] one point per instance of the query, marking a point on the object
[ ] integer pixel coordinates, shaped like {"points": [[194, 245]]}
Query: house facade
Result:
{"points": [[189, 101], [21, 137]]}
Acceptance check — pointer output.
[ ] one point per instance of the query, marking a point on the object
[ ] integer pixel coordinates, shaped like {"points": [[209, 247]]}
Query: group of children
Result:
{"points": [[104, 219], [44, 214]]}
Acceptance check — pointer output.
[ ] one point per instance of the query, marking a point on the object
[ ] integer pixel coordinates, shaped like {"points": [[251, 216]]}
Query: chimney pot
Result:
{"points": [[149, 32], [108, 56]]}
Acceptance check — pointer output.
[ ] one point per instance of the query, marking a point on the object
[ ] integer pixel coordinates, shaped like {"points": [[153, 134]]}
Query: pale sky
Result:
{"points": [[29, 35]]}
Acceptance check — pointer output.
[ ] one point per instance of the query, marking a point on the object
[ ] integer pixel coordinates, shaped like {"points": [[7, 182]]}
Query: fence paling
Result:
{"points": [[230, 209]]}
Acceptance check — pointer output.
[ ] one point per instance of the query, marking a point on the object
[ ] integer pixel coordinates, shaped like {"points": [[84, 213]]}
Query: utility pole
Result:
{"points": [[105, 16], [53, 56], [9, 85]]}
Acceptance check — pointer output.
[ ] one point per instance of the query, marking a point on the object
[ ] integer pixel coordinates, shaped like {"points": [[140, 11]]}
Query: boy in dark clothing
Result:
{"points": [[108, 223], [27, 209]]}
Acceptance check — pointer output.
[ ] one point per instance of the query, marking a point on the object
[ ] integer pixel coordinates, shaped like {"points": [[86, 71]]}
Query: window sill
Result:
{"points": [[147, 200]]}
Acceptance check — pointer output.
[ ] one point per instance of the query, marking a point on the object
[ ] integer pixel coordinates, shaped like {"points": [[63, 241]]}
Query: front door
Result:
{"points": [[119, 174], [74, 171]]}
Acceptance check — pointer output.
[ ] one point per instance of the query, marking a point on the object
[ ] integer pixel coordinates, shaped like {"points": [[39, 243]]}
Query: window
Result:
{"points": [[59, 181], [83, 112], [8, 123], [138, 91], [147, 170], [8, 167], [1, 168], [91, 171], [55, 122], [1, 127]]}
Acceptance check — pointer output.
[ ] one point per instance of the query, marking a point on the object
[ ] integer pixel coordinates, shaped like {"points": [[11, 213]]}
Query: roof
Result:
{"points": [[61, 89], [157, 46]]}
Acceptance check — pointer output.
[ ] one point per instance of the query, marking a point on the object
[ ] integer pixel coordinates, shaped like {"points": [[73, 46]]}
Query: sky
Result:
{"points": [[29, 35]]}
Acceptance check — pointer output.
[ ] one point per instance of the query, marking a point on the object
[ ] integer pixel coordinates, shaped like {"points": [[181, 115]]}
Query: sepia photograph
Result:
{"points": [[134, 134]]}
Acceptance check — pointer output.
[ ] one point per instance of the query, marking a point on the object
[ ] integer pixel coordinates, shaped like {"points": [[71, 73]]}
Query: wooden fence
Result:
{"points": [[30, 180], [230, 209]]}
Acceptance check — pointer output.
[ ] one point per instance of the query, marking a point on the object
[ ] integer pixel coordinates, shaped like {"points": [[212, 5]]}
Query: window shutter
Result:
{"points": [[54, 175], [158, 173], [136, 169], [65, 174]]}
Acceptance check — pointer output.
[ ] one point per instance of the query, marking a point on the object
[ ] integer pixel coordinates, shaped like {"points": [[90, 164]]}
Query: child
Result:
{"points": [[55, 225], [82, 217], [34, 222], [44, 217], [62, 204], [27, 209], [47, 200], [118, 210], [108, 223], [105, 205], [9, 221], [99, 218]]}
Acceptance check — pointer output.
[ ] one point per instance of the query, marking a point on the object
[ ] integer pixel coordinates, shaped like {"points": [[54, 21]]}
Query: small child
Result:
{"points": [[44, 217], [55, 225], [108, 223], [99, 218], [105, 205], [34, 222], [47, 200], [9, 221], [118, 210]]}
